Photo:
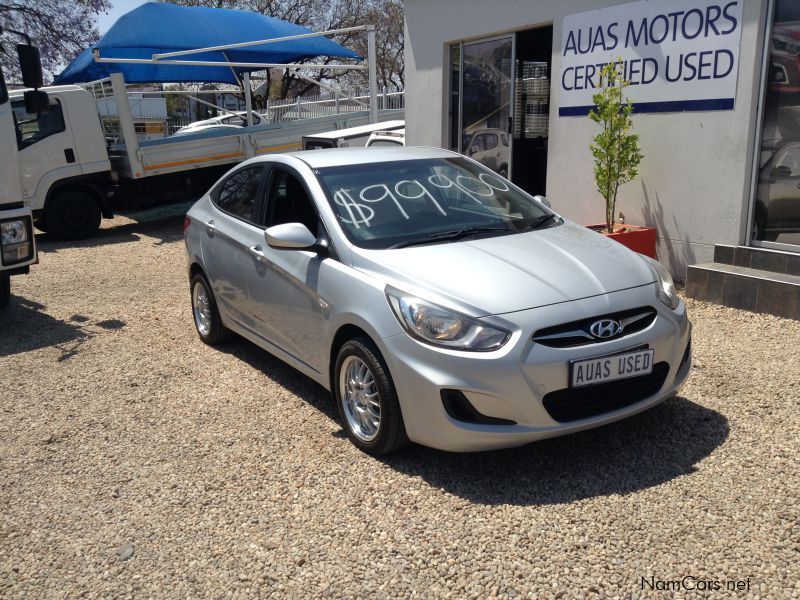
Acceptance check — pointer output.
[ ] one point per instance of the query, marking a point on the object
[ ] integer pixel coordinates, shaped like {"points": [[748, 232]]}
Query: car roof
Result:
{"points": [[335, 157]]}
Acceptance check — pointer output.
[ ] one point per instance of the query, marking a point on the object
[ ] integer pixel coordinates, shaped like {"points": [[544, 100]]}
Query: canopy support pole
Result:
{"points": [[126, 125], [248, 99], [373, 75]]}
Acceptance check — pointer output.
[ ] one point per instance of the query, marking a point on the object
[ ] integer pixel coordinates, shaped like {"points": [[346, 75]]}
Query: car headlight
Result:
{"points": [[15, 241], [665, 286], [439, 326], [13, 232]]}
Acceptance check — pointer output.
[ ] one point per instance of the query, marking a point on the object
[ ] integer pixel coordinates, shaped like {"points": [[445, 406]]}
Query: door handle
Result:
{"points": [[69, 155], [258, 253], [210, 229]]}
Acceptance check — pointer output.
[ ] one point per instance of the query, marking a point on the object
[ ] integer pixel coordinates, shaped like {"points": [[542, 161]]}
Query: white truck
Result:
{"points": [[17, 242], [71, 176]]}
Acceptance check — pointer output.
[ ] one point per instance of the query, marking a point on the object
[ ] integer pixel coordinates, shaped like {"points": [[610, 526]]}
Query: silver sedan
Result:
{"points": [[438, 302]]}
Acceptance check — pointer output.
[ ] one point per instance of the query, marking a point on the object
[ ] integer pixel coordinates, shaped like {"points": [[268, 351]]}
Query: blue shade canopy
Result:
{"points": [[157, 28]]}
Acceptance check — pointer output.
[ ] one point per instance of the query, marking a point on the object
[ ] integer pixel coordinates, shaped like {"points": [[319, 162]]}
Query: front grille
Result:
{"points": [[572, 404], [576, 333]]}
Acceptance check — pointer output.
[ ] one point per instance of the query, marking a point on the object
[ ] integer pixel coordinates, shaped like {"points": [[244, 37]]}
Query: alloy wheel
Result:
{"points": [[360, 398]]}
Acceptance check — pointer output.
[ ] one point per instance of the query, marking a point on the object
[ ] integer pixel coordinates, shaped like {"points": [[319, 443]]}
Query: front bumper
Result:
{"points": [[511, 383]]}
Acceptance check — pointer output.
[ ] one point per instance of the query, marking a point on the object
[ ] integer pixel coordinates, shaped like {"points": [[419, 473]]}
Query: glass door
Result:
{"points": [[776, 213], [486, 95]]}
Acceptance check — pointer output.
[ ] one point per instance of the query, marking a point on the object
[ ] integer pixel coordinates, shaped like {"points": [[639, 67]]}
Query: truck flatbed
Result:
{"points": [[219, 147]]}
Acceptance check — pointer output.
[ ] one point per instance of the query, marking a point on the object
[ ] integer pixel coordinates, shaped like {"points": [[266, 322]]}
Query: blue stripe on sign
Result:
{"points": [[654, 107]]}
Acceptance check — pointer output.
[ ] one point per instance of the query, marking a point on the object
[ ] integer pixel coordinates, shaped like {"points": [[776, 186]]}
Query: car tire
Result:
{"points": [[5, 291], [357, 410], [205, 313], [72, 215]]}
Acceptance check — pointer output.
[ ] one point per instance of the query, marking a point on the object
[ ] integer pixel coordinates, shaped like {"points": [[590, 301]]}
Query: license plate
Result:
{"points": [[610, 368]]}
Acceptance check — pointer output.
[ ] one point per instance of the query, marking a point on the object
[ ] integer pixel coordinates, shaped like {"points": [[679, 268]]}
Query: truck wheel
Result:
{"points": [[5, 291], [73, 215]]}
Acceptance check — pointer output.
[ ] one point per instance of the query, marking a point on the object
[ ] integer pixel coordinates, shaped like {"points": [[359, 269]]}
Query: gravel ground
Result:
{"points": [[137, 462]]}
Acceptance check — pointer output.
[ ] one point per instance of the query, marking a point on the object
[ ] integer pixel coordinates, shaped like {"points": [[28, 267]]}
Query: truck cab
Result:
{"points": [[63, 161], [17, 242]]}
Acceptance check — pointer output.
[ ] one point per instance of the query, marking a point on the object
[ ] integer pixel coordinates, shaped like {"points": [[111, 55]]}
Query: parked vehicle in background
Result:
{"points": [[785, 56], [778, 194], [438, 302], [229, 120], [350, 137], [392, 139], [17, 242], [72, 177], [490, 148]]}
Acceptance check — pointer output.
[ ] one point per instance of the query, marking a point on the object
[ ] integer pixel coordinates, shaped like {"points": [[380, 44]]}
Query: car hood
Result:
{"points": [[509, 273]]}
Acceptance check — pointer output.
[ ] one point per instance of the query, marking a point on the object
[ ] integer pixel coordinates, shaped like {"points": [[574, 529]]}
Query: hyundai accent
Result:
{"points": [[439, 303]]}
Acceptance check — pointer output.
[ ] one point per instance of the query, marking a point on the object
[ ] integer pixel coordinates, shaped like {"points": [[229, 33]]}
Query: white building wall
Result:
{"points": [[694, 181]]}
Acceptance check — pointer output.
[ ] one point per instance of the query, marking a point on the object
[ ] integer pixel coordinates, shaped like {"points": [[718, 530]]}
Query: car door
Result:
{"points": [[46, 146], [232, 241], [291, 312], [491, 155]]}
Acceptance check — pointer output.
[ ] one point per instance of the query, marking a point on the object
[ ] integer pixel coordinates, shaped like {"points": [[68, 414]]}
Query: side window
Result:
{"points": [[238, 194], [32, 128], [477, 143], [491, 141], [288, 202]]}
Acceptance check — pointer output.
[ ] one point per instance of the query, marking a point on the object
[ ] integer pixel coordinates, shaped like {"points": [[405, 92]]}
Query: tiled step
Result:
{"points": [[746, 288], [762, 259]]}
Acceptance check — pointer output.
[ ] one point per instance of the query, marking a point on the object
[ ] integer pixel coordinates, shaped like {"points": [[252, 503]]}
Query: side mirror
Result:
{"points": [[30, 64], [290, 236], [36, 102], [543, 200]]}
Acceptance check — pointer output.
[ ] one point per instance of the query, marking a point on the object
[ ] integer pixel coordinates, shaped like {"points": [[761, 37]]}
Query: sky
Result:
{"points": [[118, 8]]}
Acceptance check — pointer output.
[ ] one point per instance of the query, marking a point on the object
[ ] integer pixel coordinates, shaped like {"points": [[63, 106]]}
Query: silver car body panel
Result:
{"points": [[293, 302]]}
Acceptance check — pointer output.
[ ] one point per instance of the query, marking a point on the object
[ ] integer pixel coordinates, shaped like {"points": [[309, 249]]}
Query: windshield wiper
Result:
{"points": [[449, 236], [539, 221]]}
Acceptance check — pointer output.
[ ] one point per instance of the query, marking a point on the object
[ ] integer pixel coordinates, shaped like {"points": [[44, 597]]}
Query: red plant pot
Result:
{"points": [[638, 239]]}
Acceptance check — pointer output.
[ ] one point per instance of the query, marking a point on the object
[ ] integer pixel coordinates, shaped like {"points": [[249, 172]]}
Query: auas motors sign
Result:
{"points": [[677, 54]]}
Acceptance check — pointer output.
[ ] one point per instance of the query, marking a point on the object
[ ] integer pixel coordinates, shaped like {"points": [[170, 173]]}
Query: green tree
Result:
{"points": [[615, 149]]}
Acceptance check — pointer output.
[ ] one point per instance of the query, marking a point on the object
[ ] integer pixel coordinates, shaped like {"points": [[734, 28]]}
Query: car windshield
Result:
{"points": [[426, 201]]}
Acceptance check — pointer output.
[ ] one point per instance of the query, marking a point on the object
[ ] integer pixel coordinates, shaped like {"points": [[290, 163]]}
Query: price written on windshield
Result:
{"points": [[357, 204]]}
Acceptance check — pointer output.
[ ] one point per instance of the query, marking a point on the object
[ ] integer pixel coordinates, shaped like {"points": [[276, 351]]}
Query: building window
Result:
{"points": [[455, 96], [777, 203]]}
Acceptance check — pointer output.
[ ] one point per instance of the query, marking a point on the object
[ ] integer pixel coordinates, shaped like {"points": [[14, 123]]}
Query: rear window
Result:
{"points": [[385, 143]]}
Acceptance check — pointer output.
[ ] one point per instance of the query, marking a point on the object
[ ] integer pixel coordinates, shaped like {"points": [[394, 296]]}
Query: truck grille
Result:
{"points": [[572, 404], [576, 333]]}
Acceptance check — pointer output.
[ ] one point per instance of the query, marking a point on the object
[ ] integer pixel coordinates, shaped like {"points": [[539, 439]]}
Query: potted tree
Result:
{"points": [[617, 156]]}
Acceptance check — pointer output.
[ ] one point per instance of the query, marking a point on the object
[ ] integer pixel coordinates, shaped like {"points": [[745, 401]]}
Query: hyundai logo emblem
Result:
{"points": [[605, 328]]}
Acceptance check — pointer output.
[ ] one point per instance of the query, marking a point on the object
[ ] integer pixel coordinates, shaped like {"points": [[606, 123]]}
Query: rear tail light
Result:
{"points": [[186, 222]]}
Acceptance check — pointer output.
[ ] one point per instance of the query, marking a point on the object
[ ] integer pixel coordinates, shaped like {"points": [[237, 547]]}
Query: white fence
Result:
{"points": [[322, 105]]}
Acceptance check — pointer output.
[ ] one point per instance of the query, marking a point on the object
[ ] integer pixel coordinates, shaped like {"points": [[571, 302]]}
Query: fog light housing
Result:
{"points": [[16, 241]]}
